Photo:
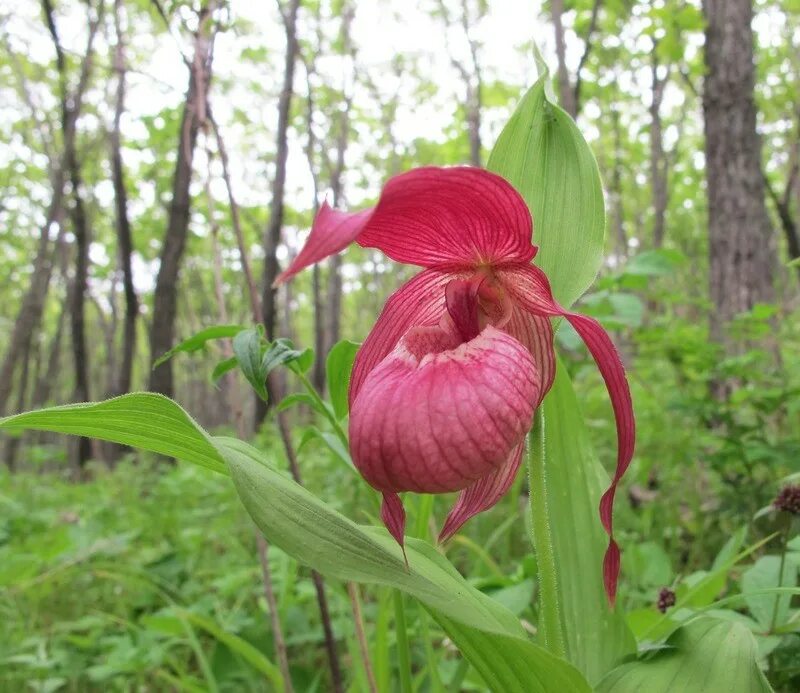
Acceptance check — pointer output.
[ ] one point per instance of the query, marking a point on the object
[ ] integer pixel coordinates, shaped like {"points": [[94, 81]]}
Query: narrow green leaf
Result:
{"points": [[297, 398], [705, 655], [142, 420], [238, 645], [566, 482], [248, 346], [543, 155], [199, 340], [223, 367], [337, 370]]}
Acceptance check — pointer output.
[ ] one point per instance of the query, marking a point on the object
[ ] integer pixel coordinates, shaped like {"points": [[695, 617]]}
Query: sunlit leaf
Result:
{"points": [[543, 155], [706, 655]]}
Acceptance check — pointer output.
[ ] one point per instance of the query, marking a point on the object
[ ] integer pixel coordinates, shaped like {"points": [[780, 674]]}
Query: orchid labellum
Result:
{"points": [[444, 388]]}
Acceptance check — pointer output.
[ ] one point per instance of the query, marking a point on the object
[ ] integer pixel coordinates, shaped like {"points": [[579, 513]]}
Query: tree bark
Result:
{"points": [[165, 297], [334, 301], [570, 94], [471, 76], [741, 251], [658, 168], [122, 381], [620, 235], [81, 453], [31, 309], [272, 235]]}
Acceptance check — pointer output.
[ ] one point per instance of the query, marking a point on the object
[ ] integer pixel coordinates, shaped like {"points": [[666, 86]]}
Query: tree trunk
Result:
{"points": [[81, 452], [658, 169], [566, 93], [333, 305], [741, 251], [122, 381], [77, 299], [620, 235], [165, 297], [569, 94], [30, 312], [44, 385], [272, 236]]}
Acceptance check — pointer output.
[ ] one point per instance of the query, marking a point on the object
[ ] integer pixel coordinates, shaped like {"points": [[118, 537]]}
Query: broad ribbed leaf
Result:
{"points": [[543, 155], [706, 655], [314, 534], [566, 482], [143, 420]]}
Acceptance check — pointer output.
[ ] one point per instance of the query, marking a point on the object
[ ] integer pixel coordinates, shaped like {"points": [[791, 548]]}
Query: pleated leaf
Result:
{"points": [[310, 531]]}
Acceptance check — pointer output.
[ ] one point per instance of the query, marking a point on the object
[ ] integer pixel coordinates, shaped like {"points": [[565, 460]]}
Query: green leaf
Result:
{"points": [[248, 347], [543, 155], [654, 263], [282, 352], [297, 398], [767, 572], [142, 420], [199, 340], [706, 655], [223, 367], [238, 645], [317, 536], [337, 370], [566, 482], [314, 534]]}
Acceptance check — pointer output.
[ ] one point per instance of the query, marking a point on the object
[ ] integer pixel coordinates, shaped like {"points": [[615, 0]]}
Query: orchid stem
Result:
{"points": [[403, 654], [784, 541], [549, 597], [323, 407]]}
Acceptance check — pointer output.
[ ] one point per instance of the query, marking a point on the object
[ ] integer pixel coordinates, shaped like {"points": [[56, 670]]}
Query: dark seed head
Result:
{"points": [[788, 499], [666, 599]]}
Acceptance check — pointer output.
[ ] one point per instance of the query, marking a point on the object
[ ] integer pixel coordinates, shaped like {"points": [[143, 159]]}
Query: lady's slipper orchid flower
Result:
{"points": [[444, 388]]}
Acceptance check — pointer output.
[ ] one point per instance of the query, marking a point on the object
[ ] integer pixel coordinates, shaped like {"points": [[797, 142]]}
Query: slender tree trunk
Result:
{"points": [[79, 222], [44, 385], [272, 236], [741, 251], [122, 381], [318, 372], [165, 297], [566, 93], [569, 94], [620, 235], [658, 169], [333, 305], [30, 312]]}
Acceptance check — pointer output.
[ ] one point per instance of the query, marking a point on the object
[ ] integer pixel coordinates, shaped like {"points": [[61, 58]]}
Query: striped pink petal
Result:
{"points": [[531, 289], [457, 217], [483, 494]]}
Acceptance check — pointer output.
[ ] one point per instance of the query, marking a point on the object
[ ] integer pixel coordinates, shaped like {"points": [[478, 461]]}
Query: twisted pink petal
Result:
{"points": [[531, 289], [483, 494]]}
